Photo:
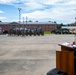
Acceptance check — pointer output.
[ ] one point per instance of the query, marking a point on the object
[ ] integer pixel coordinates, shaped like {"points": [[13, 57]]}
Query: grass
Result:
{"points": [[47, 32]]}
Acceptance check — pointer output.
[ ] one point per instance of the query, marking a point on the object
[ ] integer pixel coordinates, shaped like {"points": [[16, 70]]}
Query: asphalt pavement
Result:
{"points": [[30, 55]]}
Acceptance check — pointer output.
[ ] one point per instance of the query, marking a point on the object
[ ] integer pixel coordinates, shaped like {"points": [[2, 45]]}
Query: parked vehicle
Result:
{"points": [[61, 31], [65, 31], [58, 31]]}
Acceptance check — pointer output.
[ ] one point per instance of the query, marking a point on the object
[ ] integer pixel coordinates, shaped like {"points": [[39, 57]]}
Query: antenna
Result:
{"points": [[23, 23], [26, 19], [75, 19], [23, 20]]}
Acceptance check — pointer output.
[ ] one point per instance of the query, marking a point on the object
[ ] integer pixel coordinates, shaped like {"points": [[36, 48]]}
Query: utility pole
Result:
{"points": [[23, 23], [75, 19], [26, 19]]}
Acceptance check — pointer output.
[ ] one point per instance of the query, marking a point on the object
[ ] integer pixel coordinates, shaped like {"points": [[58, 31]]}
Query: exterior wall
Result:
{"points": [[45, 27], [74, 24]]}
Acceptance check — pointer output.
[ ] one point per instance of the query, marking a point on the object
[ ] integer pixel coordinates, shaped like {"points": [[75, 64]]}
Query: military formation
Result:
{"points": [[25, 32]]}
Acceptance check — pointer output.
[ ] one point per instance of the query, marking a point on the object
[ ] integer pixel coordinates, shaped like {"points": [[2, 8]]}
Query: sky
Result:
{"points": [[61, 11]]}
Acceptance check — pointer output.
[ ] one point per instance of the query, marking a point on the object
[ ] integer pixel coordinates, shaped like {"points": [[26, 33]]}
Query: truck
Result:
{"points": [[61, 31]]}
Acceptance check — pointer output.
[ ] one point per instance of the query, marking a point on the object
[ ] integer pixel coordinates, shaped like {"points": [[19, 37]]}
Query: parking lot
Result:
{"points": [[30, 55]]}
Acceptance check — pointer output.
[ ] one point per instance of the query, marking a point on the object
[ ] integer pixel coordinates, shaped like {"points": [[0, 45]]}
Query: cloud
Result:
{"points": [[59, 13], [29, 4], [1, 18], [40, 9], [72, 2], [8, 1], [36, 14], [1, 11]]}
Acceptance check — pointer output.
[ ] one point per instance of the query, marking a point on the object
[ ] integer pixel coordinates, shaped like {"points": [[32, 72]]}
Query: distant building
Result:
{"points": [[46, 26], [70, 26], [73, 24]]}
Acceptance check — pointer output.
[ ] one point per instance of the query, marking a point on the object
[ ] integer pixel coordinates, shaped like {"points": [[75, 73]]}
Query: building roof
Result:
{"points": [[69, 27], [27, 23], [38, 23], [13, 23], [3, 22]]}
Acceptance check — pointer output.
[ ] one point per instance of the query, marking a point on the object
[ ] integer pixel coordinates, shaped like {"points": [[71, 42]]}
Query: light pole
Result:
{"points": [[75, 19], [26, 19], [19, 16], [23, 23]]}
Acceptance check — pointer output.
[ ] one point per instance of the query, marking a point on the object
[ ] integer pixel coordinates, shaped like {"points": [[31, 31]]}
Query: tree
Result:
{"points": [[55, 22], [36, 21], [49, 21], [0, 21], [59, 26], [30, 21]]}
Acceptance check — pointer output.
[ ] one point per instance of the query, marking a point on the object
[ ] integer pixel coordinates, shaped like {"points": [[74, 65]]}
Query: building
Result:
{"points": [[73, 24], [46, 26], [71, 27]]}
